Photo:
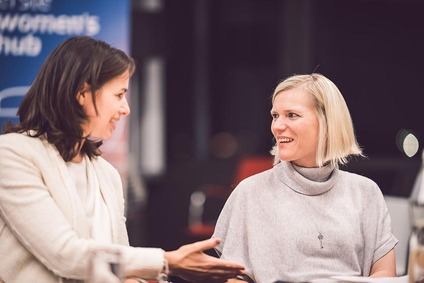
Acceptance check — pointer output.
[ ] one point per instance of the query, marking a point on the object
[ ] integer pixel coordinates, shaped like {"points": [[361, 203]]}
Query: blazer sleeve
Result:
{"points": [[34, 218]]}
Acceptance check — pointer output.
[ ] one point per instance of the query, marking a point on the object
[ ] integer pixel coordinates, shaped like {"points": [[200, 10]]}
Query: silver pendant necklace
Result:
{"points": [[325, 201], [320, 235]]}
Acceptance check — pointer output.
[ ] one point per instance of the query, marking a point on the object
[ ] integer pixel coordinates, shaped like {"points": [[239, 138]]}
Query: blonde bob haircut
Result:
{"points": [[336, 140]]}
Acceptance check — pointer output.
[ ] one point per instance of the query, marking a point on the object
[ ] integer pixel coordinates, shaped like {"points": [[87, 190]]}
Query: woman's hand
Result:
{"points": [[191, 263]]}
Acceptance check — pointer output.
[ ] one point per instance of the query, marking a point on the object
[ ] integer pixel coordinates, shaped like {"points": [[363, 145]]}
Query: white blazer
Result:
{"points": [[44, 235]]}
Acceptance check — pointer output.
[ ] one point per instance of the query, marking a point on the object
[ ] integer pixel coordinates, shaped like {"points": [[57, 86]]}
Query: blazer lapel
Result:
{"points": [[109, 196], [64, 194]]}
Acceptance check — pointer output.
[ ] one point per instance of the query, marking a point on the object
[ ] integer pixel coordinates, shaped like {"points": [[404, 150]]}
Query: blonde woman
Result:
{"points": [[306, 219]]}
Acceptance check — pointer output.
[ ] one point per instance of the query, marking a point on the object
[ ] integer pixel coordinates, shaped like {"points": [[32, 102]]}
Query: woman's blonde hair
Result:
{"points": [[336, 140]]}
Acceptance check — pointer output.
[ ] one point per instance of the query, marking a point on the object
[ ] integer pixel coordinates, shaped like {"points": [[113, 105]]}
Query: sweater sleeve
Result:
{"points": [[379, 238]]}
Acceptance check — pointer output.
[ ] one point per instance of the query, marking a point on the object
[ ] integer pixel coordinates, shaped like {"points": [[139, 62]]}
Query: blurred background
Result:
{"points": [[214, 65], [206, 70]]}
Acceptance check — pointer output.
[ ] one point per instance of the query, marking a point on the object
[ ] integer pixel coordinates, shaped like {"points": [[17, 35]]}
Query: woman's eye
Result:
{"points": [[274, 116], [120, 95], [292, 115]]}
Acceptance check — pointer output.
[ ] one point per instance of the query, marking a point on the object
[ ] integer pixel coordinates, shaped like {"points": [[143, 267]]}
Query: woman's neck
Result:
{"points": [[78, 158]]}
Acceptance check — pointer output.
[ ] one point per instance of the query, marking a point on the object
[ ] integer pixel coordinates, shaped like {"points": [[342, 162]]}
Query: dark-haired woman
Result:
{"points": [[59, 200]]}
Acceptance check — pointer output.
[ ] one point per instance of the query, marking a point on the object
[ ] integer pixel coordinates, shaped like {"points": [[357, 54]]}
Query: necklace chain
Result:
{"points": [[320, 235]]}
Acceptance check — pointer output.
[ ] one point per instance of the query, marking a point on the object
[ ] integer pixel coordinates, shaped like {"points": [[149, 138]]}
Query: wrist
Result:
{"points": [[163, 275], [170, 260]]}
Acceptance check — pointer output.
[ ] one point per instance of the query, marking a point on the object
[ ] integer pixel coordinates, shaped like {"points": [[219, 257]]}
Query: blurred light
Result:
{"points": [[223, 145], [152, 6], [197, 200], [407, 142], [153, 118], [410, 145]]}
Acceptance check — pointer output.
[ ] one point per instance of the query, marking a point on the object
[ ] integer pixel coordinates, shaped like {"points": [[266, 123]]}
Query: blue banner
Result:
{"points": [[31, 29]]}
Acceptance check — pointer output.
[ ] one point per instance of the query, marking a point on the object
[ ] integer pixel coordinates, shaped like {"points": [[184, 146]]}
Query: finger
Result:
{"points": [[204, 245], [224, 264], [210, 278], [225, 271]]}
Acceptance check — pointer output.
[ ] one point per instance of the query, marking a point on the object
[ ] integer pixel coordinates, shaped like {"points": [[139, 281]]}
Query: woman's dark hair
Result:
{"points": [[50, 106]]}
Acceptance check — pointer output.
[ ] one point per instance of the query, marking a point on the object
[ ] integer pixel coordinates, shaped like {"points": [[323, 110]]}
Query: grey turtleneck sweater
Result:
{"points": [[272, 221]]}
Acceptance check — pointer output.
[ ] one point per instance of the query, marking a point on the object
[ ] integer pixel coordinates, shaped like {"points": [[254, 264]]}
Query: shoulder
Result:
{"points": [[250, 186], [21, 143], [257, 179], [357, 178], [359, 182], [15, 138]]}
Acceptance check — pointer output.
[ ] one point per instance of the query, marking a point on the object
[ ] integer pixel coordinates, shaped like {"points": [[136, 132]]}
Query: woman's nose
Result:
{"points": [[125, 108], [279, 123]]}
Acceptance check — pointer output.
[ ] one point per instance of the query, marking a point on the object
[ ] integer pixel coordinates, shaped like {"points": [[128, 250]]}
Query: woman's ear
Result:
{"points": [[81, 98], [81, 95]]}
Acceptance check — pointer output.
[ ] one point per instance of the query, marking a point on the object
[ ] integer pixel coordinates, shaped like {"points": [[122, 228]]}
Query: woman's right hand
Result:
{"points": [[191, 263]]}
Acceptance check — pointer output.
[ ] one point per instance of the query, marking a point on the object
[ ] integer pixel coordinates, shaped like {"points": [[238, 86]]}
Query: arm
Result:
{"points": [[385, 266], [29, 210], [191, 263], [379, 238], [44, 219]]}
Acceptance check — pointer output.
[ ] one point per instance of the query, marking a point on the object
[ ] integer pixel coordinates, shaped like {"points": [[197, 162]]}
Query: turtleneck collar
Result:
{"points": [[307, 181]]}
